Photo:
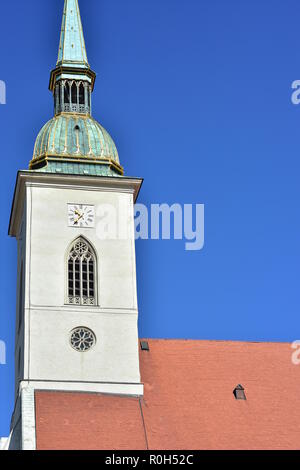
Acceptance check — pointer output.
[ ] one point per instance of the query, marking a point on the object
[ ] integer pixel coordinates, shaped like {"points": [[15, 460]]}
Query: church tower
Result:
{"points": [[73, 218]]}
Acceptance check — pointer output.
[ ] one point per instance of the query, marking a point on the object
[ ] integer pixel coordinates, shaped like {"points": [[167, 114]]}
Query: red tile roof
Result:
{"points": [[188, 402], [86, 421]]}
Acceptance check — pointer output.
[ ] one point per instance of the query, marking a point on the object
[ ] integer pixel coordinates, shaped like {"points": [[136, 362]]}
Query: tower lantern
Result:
{"points": [[72, 81]]}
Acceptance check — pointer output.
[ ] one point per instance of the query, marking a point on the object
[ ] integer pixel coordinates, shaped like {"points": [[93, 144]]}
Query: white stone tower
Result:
{"points": [[73, 217]]}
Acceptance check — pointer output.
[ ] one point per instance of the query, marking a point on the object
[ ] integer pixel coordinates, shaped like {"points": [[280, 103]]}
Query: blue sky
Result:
{"points": [[197, 96]]}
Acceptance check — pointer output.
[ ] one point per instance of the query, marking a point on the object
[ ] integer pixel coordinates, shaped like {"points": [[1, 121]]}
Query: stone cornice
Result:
{"points": [[79, 182]]}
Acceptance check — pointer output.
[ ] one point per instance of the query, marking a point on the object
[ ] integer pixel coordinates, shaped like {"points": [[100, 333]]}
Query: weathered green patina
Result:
{"points": [[73, 142], [74, 139], [72, 49]]}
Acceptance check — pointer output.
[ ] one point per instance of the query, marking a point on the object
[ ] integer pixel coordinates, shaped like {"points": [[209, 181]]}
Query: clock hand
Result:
{"points": [[80, 217]]}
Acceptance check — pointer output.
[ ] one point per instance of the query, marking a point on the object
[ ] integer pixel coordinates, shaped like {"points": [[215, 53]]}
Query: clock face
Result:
{"points": [[80, 215]]}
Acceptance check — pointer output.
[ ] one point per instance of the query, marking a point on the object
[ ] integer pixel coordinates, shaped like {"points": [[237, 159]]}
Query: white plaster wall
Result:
{"points": [[49, 321], [114, 358], [3, 443], [50, 237]]}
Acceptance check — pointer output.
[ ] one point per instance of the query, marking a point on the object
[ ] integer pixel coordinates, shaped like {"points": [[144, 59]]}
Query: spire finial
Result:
{"points": [[72, 65], [72, 51]]}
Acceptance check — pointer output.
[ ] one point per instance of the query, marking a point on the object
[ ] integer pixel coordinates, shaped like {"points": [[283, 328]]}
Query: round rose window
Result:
{"points": [[82, 339]]}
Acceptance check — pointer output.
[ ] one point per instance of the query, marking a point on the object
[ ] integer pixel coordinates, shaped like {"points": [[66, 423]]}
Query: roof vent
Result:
{"points": [[145, 346], [239, 392]]}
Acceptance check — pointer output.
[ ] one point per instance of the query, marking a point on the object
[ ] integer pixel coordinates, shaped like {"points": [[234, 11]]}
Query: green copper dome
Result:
{"points": [[75, 139]]}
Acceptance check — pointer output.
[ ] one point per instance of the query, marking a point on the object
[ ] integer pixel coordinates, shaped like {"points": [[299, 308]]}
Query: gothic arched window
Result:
{"points": [[74, 93], [81, 274], [67, 94], [81, 94]]}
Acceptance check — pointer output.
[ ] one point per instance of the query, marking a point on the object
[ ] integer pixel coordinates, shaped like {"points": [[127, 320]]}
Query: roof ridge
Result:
{"points": [[217, 340]]}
